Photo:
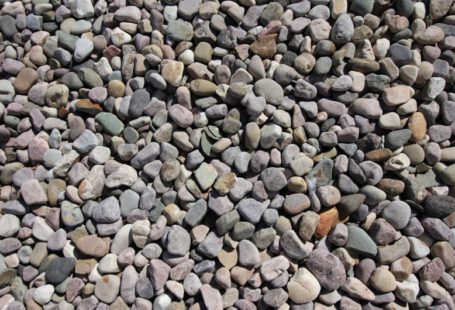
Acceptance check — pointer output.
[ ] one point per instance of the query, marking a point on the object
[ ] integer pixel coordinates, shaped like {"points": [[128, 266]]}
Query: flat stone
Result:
{"points": [[59, 269], [359, 242], [205, 176], [293, 246], [92, 246], [110, 123], [107, 288], [33, 193], [107, 211], [212, 297], [178, 241], [327, 268], [270, 90], [303, 287]]}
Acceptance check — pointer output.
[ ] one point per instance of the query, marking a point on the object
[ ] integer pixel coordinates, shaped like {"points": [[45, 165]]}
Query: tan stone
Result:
{"points": [[444, 251], [418, 126], [392, 187], [240, 275], [26, 78], [303, 287], [228, 258], [116, 88], [84, 266], [379, 155], [92, 246], [297, 185], [172, 72], [401, 268], [198, 233], [202, 87], [224, 183], [383, 280], [397, 95]]}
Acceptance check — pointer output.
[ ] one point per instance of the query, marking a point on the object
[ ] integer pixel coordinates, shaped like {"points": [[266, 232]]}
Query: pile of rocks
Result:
{"points": [[175, 154]]}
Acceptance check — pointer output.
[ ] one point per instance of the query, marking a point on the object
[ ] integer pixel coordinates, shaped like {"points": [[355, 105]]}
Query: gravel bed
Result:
{"points": [[250, 154]]}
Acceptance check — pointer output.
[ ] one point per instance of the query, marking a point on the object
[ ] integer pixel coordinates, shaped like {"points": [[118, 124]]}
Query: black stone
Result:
{"points": [[439, 206], [139, 101], [59, 269]]}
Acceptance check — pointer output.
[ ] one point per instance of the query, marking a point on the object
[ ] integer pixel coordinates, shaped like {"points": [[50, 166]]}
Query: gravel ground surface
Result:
{"points": [[187, 154]]}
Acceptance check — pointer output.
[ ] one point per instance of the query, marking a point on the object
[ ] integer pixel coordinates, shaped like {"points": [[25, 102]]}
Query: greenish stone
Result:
{"points": [[350, 203], [57, 96], [110, 123], [116, 75], [7, 172], [206, 146], [448, 175], [231, 125], [212, 132], [264, 237], [130, 135], [362, 7], [62, 287], [273, 11], [202, 87], [205, 176], [90, 78], [238, 90], [6, 277], [71, 80], [18, 288], [54, 63], [404, 7], [226, 222], [8, 25], [180, 30], [243, 230], [390, 253], [46, 261], [196, 213], [428, 179], [415, 153], [361, 33], [360, 243], [203, 52], [156, 211], [66, 40]]}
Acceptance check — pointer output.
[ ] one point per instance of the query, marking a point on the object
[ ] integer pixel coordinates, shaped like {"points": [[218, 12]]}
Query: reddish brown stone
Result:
{"points": [[327, 220], [379, 155], [391, 186], [88, 107], [265, 46]]}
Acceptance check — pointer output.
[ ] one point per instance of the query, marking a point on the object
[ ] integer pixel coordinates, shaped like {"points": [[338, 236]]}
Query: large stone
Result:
{"points": [[92, 246], [59, 269], [178, 241], [303, 287], [107, 288], [293, 246], [270, 90], [359, 242], [327, 268], [33, 193]]}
